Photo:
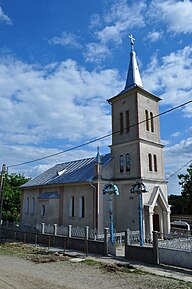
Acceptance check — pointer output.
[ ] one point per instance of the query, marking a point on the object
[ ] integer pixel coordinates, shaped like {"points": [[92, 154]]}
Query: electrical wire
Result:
{"points": [[99, 138]]}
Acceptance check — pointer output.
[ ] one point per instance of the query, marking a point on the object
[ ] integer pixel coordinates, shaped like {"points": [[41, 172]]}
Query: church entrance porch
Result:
{"points": [[157, 214]]}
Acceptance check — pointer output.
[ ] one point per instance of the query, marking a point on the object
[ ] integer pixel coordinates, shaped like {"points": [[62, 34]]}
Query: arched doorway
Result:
{"points": [[156, 226]]}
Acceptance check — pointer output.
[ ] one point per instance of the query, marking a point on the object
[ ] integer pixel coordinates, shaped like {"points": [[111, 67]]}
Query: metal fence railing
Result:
{"points": [[178, 241]]}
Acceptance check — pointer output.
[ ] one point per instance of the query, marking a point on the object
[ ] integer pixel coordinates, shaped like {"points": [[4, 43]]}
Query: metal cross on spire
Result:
{"points": [[132, 41]]}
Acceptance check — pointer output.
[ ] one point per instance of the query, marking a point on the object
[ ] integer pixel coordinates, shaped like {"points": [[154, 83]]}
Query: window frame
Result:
{"points": [[150, 165], [82, 207], [121, 123], [121, 163], [127, 121], [152, 122], [147, 120], [128, 162], [72, 207], [155, 162]]}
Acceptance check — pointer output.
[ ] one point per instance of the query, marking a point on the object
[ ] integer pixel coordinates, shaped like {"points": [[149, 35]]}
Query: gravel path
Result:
{"points": [[17, 273]]}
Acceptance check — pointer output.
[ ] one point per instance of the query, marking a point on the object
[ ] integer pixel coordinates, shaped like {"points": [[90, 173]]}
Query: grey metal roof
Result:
{"points": [[69, 172]]}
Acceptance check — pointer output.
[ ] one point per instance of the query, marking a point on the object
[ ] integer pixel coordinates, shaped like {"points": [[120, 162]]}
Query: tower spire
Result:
{"points": [[133, 76]]}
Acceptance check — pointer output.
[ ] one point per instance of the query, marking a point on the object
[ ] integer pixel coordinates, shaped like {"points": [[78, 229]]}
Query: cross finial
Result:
{"points": [[132, 41]]}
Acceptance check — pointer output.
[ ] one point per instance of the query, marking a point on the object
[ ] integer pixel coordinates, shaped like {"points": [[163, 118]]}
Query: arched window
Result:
{"points": [[151, 120], [27, 205], [33, 206], [82, 207], [127, 121], [147, 119], [128, 163], [42, 210], [121, 122], [72, 207], [150, 162], [121, 165], [155, 162]]}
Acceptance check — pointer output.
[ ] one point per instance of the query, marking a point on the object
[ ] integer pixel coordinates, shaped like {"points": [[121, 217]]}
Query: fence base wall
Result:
{"points": [[48, 240], [141, 254], [176, 258]]}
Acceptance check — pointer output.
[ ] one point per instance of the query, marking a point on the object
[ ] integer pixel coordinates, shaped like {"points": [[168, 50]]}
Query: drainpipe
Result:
{"points": [[95, 221]]}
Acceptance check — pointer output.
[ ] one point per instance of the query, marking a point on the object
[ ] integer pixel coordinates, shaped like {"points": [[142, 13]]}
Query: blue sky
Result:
{"points": [[60, 61]]}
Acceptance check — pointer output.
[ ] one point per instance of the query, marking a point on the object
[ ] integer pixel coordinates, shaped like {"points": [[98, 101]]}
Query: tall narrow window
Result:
{"points": [[155, 162], [128, 164], [33, 206], [42, 210], [27, 205], [82, 207], [121, 165], [147, 119], [127, 121], [121, 122], [72, 206], [151, 120], [150, 162]]}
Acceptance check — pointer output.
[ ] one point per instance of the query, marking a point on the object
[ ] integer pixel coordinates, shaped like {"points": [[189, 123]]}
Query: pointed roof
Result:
{"points": [[133, 76], [98, 157]]}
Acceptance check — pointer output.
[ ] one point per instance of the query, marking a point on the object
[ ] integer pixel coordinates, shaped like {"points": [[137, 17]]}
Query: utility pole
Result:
{"points": [[3, 173]]}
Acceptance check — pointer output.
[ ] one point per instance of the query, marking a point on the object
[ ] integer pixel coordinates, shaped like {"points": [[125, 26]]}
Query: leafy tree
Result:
{"points": [[12, 196], [186, 184]]}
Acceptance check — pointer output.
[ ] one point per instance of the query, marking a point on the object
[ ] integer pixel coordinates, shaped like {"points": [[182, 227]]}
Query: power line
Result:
{"points": [[99, 138], [178, 170]]}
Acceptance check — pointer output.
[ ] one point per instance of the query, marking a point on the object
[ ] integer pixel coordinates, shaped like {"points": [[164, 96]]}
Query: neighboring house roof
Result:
{"points": [[69, 172]]}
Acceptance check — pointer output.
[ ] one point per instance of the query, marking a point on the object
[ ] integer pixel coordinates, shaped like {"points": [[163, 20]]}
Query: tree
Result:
{"points": [[12, 196], [186, 184]]}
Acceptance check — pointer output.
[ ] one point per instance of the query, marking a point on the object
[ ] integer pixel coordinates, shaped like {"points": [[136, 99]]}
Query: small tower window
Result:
{"points": [[72, 206], [147, 119], [127, 121], [150, 162], [121, 122], [128, 164], [155, 162], [151, 120], [82, 207], [33, 206], [27, 205], [42, 210], [121, 165]]}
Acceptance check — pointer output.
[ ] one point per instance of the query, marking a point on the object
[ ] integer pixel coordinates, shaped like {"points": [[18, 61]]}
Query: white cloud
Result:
{"points": [[177, 159], [176, 134], [96, 52], [66, 39], [177, 15], [46, 108], [4, 18], [120, 19], [171, 77], [154, 36]]}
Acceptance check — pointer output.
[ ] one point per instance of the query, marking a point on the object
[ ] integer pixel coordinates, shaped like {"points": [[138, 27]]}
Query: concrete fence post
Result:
{"points": [[106, 241], [155, 248], [69, 227], [86, 239], [55, 229], [42, 228], [127, 241]]}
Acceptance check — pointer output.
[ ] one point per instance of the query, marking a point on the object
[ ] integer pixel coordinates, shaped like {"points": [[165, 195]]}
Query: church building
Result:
{"points": [[71, 193]]}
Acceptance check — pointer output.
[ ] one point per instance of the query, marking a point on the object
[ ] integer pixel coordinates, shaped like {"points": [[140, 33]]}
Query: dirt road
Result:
{"points": [[18, 273]]}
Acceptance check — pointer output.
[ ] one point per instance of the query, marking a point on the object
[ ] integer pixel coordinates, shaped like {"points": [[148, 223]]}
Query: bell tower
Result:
{"points": [[136, 144], [138, 154]]}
